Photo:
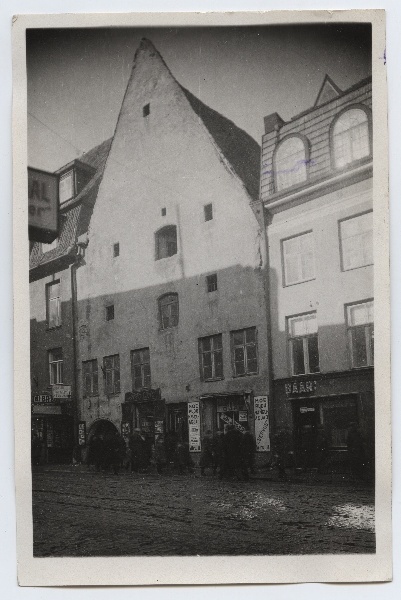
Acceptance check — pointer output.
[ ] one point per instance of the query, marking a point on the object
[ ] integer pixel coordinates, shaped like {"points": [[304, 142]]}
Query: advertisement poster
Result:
{"points": [[262, 430], [194, 427]]}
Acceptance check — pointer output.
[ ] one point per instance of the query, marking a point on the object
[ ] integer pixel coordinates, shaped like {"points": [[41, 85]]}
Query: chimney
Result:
{"points": [[273, 122]]}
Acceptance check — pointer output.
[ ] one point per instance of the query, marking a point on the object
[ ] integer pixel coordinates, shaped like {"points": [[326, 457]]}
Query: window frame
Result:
{"points": [[48, 299], [64, 176], [139, 351], [307, 149], [59, 366], [212, 351], [368, 264], [367, 327], [356, 161], [283, 264], [209, 284], [208, 212], [244, 345], [91, 372], [158, 233], [110, 307], [160, 306], [116, 389], [116, 249], [305, 345]]}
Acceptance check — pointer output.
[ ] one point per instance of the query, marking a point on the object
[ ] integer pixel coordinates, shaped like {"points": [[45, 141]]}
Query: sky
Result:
{"points": [[77, 77]]}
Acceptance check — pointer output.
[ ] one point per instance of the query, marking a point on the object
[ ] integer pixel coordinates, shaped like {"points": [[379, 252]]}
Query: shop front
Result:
{"points": [[320, 412], [52, 430], [144, 410]]}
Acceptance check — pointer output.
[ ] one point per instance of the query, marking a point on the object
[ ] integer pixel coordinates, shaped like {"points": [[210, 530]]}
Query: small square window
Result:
{"points": [[146, 110], [208, 210], [211, 282], [164, 212], [110, 312], [116, 249]]}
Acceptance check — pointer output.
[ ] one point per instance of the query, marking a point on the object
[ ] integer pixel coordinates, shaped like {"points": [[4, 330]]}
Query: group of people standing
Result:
{"points": [[230, 453]]}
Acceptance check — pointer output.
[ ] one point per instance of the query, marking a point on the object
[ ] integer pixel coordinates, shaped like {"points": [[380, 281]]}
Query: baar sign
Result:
{"points": [[43, 206]]}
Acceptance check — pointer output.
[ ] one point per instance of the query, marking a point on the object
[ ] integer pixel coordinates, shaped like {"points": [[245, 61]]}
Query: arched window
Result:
{"points": [[290, 163], [166, 242], [168, 311], [350, 137]]}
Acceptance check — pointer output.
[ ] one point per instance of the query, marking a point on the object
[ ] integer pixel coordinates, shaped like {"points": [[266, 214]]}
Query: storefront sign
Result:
{"points": [[300, 388], [42, 399], [148, 395], [305, 409], [194, 427], [43, 205], [42, 409], [82, 433], [262, 427], [61, 391]]}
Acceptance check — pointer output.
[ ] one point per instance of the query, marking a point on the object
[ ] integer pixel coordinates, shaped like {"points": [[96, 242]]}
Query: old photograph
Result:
{"points": [[202, 290]]}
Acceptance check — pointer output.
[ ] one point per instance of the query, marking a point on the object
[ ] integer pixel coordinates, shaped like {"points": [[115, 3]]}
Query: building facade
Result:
{"points": [[171, 321], [316, 188]]}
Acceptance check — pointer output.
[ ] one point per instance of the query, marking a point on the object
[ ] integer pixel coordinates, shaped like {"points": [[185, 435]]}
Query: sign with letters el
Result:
{"points": [[43, 206], [262, 425]]}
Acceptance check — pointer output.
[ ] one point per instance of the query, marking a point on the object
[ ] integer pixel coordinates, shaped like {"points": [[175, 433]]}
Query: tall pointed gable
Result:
{"points": [[328, 91]]}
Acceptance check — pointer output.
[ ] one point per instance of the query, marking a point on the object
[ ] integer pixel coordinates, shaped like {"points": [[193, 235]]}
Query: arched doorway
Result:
{"points": [[101, 427]]}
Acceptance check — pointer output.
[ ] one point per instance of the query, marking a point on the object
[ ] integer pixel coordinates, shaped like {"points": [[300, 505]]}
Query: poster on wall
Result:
{"points": [[262, 428], [194, 427]]}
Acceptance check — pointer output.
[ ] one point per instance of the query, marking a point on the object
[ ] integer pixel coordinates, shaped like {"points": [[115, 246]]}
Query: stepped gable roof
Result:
{"points": [[238, 147], [75, 214]]}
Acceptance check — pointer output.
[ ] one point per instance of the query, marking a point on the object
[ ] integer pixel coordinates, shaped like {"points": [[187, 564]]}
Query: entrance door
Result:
{"points": [[306, 421]]}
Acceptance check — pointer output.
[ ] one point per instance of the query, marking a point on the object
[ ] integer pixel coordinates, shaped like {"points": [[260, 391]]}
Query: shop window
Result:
{"points": [[66, 186], [166, 242], [303, 344], [168, 311], [356, 238], [56, 366], [90, 378], [53, 304], [211, 357], [244, 352], [140, 368], [211, 283], [111, 373], [110, 312], [337, 418], [290, 162], [361, 334], [350, 137], [298, 258], [208, 212]]}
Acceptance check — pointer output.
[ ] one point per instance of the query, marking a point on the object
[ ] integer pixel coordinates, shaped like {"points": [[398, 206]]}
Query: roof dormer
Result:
{"points": [[73, 177]]}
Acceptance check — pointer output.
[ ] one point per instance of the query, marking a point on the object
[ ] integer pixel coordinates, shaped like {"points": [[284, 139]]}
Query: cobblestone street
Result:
{"points": [[78, 512]]}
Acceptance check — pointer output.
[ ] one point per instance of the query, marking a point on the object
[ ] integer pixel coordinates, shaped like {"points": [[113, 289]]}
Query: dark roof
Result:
{"points": [[237, 146], [75, 214], [328, 91]]}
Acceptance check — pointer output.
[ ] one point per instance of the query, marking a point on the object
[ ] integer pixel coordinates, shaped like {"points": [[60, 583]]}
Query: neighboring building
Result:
{"points": [[171, 291], [316, 187], [52, 270]]}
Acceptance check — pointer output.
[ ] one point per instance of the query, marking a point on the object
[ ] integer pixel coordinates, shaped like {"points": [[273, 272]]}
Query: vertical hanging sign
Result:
{"points": [[262, 427], [194, 427]]}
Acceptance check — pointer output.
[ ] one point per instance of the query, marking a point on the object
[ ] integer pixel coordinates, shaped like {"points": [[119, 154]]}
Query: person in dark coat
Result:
{"points": [[160, 454], [36, 450], [233, 458], [96, 452], [138, 451], [321, 448], [281, 448], [206, 459], [184, 459], [248, 450], [114, 450]]}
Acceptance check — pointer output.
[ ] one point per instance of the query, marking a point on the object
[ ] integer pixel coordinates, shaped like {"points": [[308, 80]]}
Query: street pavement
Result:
{"points": [[80, 512]]}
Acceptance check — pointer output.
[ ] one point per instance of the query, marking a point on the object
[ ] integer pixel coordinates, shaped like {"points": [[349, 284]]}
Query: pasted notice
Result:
{"points": [[194, 427], [262, 430]]}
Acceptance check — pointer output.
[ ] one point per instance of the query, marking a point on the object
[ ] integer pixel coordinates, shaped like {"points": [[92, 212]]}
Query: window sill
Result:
{"points": [[306, 374], [358, 267], [245, 375], [362, 368], [213, 379], [285, 285]]}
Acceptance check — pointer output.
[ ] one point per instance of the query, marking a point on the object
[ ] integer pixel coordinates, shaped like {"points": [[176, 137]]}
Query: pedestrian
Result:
{"points": [[96, 452], [160, 454], [138, 450], [36, 450], [248, 449], [184, 459], [206, 459], [281, 448], [356, 452], [114, 450], [233, 463], [321, 448]]}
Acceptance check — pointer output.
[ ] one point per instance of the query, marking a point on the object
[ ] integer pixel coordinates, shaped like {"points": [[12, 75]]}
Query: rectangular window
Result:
{"points": [[66, 187], [146, 110], [211, 282], [90, 378], [164, 212], [116, 249], [208, 210], [211, 357], [298, 259], [244, 352], [168, 311], [356, 237], [140, 368], [110, 312], [56, 366], [361, 334], [53, 304], [303, 344], [111, 372]]}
